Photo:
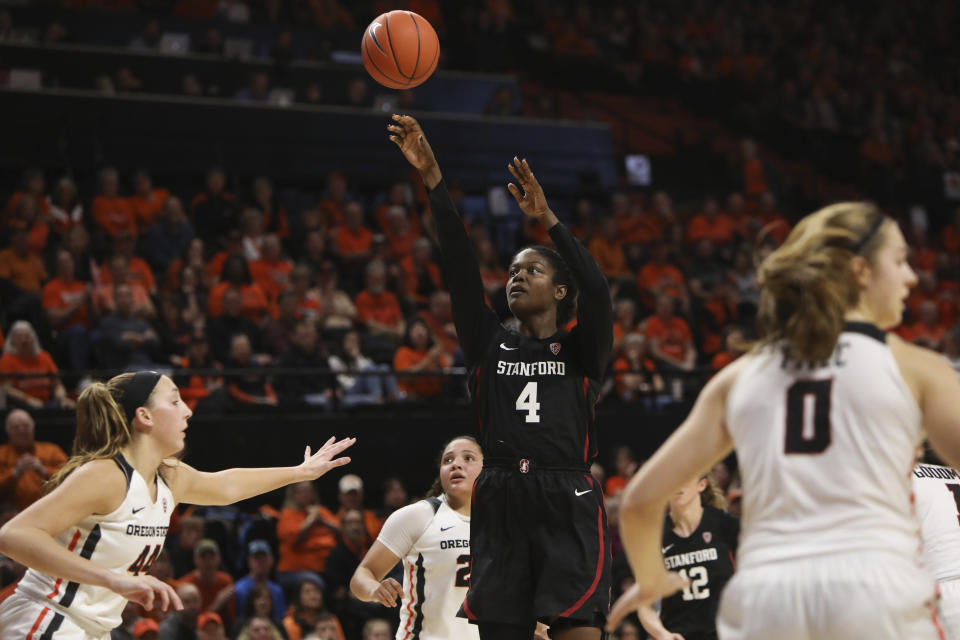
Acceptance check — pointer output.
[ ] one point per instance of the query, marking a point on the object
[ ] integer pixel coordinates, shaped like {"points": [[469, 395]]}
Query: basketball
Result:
{"points": [[400, 49]]}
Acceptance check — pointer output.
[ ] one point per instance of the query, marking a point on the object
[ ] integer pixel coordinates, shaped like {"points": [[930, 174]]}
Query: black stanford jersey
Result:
{"points": [[706, 559], [534, 398]]}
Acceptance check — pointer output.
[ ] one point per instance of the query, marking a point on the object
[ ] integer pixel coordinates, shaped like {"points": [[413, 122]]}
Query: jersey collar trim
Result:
{"points": [[867, 329]]}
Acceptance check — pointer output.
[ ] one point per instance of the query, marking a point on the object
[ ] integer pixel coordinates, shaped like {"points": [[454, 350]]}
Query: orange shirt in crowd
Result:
{"points": [[371, 522], [400, 245], [36, 236], [666, 276], [209, 591], [673, 335], [27, 273], [609, 257], [345, 240], [146, 209], [104, 296], [951, 240], [43, 204], [615, 484], [421, 386], [382, 308], [718, 229], [272, 277], [754, 180], [138, 271], [292, 627], [311, 553], [438, 329], [39, 388], [58, 294], [622, 366], [114, 215], [25, 490], [411, 282], [254, 300]]}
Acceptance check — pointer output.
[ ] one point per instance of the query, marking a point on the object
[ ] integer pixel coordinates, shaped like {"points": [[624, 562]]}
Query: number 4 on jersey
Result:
{"points": [[527, 401], [145, 560]]}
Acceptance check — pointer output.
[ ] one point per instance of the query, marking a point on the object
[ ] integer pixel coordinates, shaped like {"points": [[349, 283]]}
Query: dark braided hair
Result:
{"points": [[562, 274]]}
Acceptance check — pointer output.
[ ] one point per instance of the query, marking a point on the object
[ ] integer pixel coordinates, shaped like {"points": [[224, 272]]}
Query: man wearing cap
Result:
{"points": [[146, 629], [216, 587], [25, 464], [260, 562], [210, 627], [351, 497]]}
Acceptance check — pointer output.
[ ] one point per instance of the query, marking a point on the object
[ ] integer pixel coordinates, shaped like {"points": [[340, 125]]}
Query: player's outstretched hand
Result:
{"points": [[325, 459], [387, 592], [639, 595], [406, 133], [146, 591], [531, 199]]}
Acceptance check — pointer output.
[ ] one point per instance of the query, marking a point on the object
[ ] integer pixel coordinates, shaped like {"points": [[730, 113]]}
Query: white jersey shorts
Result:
{"points": [[24, 617], [869, 596]]}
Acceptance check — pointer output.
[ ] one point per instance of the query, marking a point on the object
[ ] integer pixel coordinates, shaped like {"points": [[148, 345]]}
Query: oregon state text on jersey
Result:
{"points": [[936, 492], [127, 540]]}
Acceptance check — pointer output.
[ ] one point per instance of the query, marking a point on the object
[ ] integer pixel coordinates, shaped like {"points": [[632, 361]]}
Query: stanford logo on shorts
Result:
{"points": [[524, 466], [707, 537], [555, 347]]}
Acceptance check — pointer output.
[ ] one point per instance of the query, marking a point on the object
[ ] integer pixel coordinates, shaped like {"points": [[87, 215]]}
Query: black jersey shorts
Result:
{"points": [[539, 546]]}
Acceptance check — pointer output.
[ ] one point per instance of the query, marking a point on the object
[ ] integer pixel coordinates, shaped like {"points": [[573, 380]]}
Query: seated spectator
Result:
{"points": [[249, 388], [236, 274], [260, 628], [210, 627], [147, 203], [421, 275], [138, 271], [272, 270], [174, 332], [377, 629], [636, 374], [118, 272], [400, 234], [252, 235], [70, 312], [198, 387], [607, 249], [278, 333], [350, 496], [492, 273], [184, 543], [232, 247], [419, 353], [216, 587], [326, 628], [309, 306], [306, 351], [438, 317], [733, 348], [258, 89], [743, 278], [928, 331], [307, 533], [774, 225], [25, 464], [274, 215], [252, 586], [113, 213], [126, 340], [342, 563], [716, 227], [703, 269], [352, 239], [624, 322], [77, 241], [182, 625], [23, 354], [221, 329], [169, 235], [625, 465], [191, 256], [149, 39], [306, 612], [671, 342], [339, 312], [659, 277], [66, 209], [215, 211], [378, 308], [361, 389], [34, 185], [314, 251], [27, 216], [334, 200], [21, 270]]}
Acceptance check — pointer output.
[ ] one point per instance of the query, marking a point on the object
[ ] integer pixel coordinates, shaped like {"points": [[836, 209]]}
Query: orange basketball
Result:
{"points": [[400, 49]]}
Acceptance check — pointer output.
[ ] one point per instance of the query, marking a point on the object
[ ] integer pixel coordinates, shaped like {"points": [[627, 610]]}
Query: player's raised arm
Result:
{"points": [[594, 332], [475, 321]]}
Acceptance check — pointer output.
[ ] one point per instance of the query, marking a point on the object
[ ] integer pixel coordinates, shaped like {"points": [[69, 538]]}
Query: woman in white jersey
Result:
{"points": [[90, 541], [826, 414], [432, 538]]}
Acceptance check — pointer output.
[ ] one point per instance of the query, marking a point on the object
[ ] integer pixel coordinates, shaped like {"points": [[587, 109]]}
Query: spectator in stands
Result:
{"points": [[169, 235], [66, 209], [660, 277], [927, 331], [71, 311], [260, 563], [198, 387], [492, 273], [743, 278], [22, 273], [636, 374], [361, 389], [272, 271], [326, 628], [253, 388], [377, 629], [146, 201], [116, 272], [138, 271], [222, 328], [394, 496], [421, 275], [420, 353], [216, 587], [257, 90], [309, 306], [351, 497], [342, 563], [274, 215], [190, 85], [112, 212], [671, 342], [316, 388], [125, 340], [172, 330], [733, 348], [339, 312], [314, 252], [77, 242], [278, 333], [236, 275], [215, 211], [711, 224], [334, 200], [182, 625], [188, 534], [25, 464], [149, 38], [251, 226], [307, 610], [259, 603], [607, 249], [438, 317], [26, 215], [34, 185], [307, 533], [357, 94], [22, 354], [378, 308], [625, 465], [400, 233], [260, 628], [210, 627], [352, 243], [624, 322], [704, 270]]}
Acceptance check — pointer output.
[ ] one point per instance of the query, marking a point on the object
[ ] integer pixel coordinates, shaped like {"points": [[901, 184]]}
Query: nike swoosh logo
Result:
{"points": [[506, 348], [580, 493], [373, 36], [666, 548], [136, 511], [445, 528]]}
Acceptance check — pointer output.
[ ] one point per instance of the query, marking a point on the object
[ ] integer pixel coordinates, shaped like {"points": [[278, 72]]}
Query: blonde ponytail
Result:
{"points": [[712, 496]]}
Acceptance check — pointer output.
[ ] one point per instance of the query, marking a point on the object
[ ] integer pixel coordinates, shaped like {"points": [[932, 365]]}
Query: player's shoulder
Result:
{"points": [[421, 511], [102, 479]]}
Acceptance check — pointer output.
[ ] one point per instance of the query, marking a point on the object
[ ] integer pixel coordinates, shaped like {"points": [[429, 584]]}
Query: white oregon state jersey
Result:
{"points": [[433, 541], [126, 541], [825, 452], [936, 493]]}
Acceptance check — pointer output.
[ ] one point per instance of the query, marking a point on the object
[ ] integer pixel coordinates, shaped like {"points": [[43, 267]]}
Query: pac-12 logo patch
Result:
{"points": [[707, 537], [164, 505], [555, 348], [524, 466]]}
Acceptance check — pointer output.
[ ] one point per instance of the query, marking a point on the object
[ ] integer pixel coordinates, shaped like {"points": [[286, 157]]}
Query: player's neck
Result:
{"points": [[687, 519], [540, 325], [140, 455], [461, 506]]}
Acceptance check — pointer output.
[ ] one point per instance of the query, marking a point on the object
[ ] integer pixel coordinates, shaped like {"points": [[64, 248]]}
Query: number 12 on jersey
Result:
{"points": [[527, 401]]}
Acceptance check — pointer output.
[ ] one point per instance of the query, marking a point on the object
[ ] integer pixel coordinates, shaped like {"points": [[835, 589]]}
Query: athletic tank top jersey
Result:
{"points": [[825, 452], [936, 493], [433, 541], [125, 541], [706, 559]]}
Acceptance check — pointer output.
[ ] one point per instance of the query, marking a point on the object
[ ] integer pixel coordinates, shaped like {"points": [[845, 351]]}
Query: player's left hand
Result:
{"points": [[325, 459], [639, 595], [532, 200]]}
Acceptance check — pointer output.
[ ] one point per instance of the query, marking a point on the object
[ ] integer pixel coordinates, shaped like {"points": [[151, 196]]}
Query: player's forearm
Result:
{"points": [[363, 584], [641, 529], [232, 485], [651, 622], [38, 550]]}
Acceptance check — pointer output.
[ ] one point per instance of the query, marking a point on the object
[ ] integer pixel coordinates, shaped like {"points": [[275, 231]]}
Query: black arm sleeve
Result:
{"points": [[476, 323], [593, 335]]}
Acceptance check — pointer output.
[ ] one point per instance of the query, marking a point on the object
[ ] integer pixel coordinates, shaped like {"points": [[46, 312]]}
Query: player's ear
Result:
{"points": [[559, 292], [142, 418]]}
